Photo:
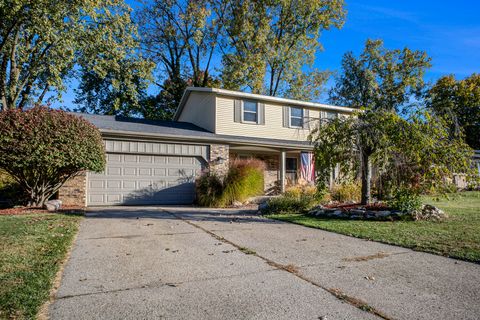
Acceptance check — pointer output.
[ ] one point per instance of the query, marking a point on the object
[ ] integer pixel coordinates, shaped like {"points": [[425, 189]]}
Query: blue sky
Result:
{"points": [[448, 31]]}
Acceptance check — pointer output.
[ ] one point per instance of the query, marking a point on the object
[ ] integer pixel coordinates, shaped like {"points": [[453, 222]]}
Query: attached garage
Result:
{"points": [[146, 173]]}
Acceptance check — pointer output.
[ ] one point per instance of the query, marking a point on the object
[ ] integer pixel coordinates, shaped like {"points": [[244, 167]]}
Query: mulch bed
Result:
{"points": [[30, 210], [377, 206]]}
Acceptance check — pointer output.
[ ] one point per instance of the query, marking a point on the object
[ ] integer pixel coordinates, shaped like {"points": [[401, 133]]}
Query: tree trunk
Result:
{"points": [[366, 178]]}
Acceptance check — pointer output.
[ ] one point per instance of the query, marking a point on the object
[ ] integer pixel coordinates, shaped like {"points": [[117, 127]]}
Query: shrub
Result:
{"points": [[285, 204], [348, 191], [209, 189], [296, 199], [405, 200], [42, 148], [244, 179], [10, 192]]}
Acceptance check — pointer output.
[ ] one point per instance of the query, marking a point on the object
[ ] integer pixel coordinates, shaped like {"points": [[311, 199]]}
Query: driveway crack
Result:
{"points": [[160, 285], [336, 292]]}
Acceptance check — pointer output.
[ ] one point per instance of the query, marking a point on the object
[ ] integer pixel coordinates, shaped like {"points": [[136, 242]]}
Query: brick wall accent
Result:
{"points": [[219, 151], [74, 191]]}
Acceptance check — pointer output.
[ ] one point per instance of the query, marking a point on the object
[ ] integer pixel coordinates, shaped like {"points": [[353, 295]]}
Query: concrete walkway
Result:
{"points": [[185, 263]]}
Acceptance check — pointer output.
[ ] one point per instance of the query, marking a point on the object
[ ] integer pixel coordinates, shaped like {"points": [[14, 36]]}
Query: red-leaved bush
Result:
{"points": [[42, 148]]}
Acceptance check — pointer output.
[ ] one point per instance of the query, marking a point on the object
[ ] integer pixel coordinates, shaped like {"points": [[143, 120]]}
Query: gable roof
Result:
{"points": [[176, 130], [259, 97]]}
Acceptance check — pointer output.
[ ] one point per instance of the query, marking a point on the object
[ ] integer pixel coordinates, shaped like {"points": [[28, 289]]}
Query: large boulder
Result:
{"points": [[430, 213], [53, 205]]}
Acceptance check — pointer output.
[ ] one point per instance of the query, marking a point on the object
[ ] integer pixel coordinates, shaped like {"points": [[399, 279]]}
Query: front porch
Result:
{"points": [[283, 167]]}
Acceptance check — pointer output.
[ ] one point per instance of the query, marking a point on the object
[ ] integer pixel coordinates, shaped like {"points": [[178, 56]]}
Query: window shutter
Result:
{"points": [[261, 113], [237, 111], [306, 119], [286, 116]]}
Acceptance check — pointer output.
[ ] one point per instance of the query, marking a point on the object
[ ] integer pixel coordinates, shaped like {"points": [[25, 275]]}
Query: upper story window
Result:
{"points": [[250, 111], [331, 115], [296, 117]]}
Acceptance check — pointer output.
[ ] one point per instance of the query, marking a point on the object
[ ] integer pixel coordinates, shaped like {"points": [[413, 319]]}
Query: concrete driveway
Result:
{"points": [[186, 263]]}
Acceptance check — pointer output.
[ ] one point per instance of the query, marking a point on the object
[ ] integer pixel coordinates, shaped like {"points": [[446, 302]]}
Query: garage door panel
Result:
{"points": [[114, 171], [144, 184], [114, 184], [173, 160], [158, 185], [114, 158], [114, 198], [128, 158], [130, 171], [96, 198], [127, 184], [145, 159], [144, 179], [161, 172], [96, 184], [160, 159]]}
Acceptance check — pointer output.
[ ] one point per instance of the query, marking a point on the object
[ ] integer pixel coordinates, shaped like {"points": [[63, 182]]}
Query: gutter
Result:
{"points": [[238, 94], [216, 139]]}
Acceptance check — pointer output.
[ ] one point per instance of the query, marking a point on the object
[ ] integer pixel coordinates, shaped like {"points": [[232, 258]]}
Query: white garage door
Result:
{"points": [[136, 179]]}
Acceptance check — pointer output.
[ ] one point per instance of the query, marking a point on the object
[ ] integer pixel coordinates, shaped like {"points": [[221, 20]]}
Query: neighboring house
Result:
{"points": [[156, 162]]}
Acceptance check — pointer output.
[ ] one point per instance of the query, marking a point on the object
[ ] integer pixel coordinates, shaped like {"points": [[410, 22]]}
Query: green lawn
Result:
{"points": [[458, 237], [32, 248]]}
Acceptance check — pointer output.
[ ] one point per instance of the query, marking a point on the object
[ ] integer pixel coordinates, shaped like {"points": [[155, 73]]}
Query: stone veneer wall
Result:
{"points": [[219, 151], [74, 191]]}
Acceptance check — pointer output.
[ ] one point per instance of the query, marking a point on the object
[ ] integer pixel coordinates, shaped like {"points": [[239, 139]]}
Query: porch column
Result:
{"points": [[283, 160]]}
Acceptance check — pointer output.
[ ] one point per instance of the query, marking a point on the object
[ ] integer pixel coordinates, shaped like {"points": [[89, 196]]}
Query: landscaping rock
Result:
{"points": [[259, 199], [53, 205], [237, 204], [430, 213], [338, 213], [359, 213], [262, 207]]}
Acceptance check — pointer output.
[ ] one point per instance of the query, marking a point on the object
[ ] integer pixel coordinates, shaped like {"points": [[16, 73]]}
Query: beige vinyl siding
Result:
{"points": [[273, 127], [200, 110]]}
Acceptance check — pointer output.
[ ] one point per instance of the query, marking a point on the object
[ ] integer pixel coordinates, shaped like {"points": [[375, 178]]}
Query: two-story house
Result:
{"points": [[156, 162]]}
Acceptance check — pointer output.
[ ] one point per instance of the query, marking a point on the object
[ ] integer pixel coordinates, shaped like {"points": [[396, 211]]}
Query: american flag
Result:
{"points": [[307, 171]]}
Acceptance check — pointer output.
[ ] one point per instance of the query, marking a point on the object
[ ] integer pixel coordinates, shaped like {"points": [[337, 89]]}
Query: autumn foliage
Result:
{"points": [[42, 148]]}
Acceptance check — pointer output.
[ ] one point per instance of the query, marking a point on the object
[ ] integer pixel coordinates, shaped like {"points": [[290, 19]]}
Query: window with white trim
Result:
{"points": [[296, 117], [250, 111]]}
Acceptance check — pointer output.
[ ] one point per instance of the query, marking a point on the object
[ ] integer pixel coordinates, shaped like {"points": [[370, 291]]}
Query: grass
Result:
{"points": [[32, 248], [247, 250], [457, 237]]}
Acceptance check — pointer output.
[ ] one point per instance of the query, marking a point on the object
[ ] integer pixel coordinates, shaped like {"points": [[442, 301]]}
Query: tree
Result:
{"points": [[380, 79], [44, 43], [42, 148], [163, 105], [458, 103], [182, 38], [269, 44], [265, 47], [117, 91], [417, 150]]}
